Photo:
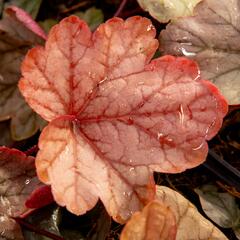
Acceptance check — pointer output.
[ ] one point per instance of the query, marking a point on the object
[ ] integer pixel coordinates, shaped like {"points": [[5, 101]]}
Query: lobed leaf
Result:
{"points": [[115, 117], [212, 38], [18, 32], [165, 10], [18, 179]]}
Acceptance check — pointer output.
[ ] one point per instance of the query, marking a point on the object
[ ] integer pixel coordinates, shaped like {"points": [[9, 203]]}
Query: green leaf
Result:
{"points": [[30, 6], [47, 24], [219, 207], [92, 16], [47, 218]]}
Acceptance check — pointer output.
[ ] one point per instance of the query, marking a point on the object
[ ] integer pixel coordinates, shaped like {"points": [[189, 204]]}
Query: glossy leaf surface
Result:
{"points": [[212, 38], [114, 116], [18, 179]]}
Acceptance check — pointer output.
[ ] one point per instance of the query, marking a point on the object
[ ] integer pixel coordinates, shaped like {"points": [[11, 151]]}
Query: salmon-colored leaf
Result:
{"points": [[18, 33], [170, 216], [212, 38], [115, 116], [18, 179], [155, 222]]}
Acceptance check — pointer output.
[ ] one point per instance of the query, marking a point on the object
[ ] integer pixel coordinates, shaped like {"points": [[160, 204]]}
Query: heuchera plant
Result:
{"points": [[114, 115]]}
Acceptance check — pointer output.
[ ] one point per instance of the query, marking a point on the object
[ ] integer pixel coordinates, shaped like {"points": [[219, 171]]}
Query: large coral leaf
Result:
{"points": [[74, 62], [18, 33], [114, 116], [165, 10], [212, 38], [18, 179]]}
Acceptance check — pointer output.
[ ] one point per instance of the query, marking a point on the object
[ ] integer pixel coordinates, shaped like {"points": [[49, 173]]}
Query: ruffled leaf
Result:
{"points": [[212, 38], [165, 10], [115, 117], [18, 32]]}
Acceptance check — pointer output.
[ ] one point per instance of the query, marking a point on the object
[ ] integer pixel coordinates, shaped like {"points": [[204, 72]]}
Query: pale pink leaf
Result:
{"points": [[115, 117], [26, 20], [190, 223], [212, 38]]}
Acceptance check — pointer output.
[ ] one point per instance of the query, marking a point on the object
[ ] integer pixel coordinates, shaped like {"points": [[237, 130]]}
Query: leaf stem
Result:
{"points": [[120, 8], [32, 228], [32, 151]]}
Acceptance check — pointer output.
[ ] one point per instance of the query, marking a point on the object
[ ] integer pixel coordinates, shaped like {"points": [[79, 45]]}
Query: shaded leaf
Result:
{"points": [[155, 222], [30, 6], [191, 224], [165, 10], [101, 227], [237, 232], [18, 33], [47, 218], [18, 179], [219, 207], [6, 139], [94, 225], [92, 16], [112, 109], [212, 38]]}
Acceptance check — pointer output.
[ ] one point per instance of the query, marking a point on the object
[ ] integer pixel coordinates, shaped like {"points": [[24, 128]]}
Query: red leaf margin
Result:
{"points": [[67, 121]]}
